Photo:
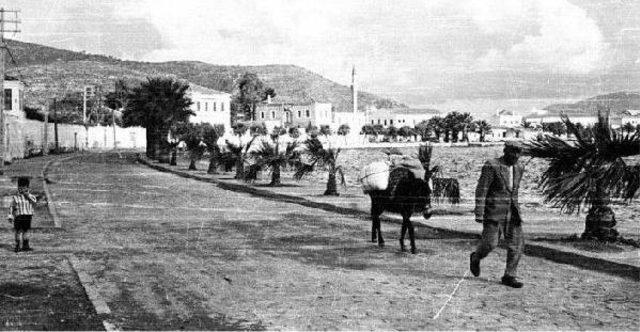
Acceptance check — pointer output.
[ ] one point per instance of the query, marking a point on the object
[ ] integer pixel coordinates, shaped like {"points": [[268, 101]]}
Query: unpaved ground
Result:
{"points": [[42, 293], [171, 253]]}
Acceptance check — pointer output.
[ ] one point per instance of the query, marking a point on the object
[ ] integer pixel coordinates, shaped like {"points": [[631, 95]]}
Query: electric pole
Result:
{"points": [[3, 28]]}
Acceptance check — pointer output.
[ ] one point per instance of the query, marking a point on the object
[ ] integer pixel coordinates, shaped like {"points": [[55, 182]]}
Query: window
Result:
{"points": [[261, 115], [385, 122], [391, 122], [299, 114], [222, 107], [206, 106], [7, 99], [308, 113], [372, 121], [273, 114], [215, 106], [198, 106]]}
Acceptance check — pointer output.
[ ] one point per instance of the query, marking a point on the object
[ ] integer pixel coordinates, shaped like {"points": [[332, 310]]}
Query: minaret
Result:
{"points": [[354, 90]]}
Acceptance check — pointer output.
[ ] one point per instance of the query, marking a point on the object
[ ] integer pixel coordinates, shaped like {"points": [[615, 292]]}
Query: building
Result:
{"points": [[13, 97], [210, 106], [538, 117], [631, 116], [508, 119], [293, 114], [399, 117]]}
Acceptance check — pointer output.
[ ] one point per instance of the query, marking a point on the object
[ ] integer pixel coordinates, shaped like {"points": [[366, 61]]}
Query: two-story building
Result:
{"points": [[293, 114], [399, 117], [210, 106], [508, 119]]}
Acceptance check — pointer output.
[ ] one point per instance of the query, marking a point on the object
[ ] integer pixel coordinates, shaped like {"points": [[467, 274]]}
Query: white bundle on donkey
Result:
{"points": [[375, 176]]}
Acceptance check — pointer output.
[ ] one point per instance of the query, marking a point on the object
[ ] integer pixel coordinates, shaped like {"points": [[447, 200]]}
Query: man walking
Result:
{"points": [[498, 211]]}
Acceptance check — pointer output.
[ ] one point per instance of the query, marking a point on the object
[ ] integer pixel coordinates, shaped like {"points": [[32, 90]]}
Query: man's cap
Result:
{"points": [[513, 146]]}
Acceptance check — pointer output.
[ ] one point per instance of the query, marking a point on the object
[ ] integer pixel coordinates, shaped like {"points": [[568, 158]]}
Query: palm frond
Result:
{"points": [[448, 188], [590, 169], [302, 169]]}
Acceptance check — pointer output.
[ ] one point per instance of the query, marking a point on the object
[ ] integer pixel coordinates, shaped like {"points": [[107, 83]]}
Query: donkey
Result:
{"points": [[405, 195]]}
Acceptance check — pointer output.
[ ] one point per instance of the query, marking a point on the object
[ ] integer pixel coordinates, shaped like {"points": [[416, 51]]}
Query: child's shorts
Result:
{"points": [[22, 223]]}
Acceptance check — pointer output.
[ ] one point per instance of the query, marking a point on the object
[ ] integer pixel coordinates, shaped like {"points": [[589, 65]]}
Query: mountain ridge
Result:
{"points": [[49, 72]]}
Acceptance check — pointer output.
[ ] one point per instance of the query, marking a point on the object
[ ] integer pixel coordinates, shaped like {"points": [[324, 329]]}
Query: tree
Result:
{"points": [[368, 130], [273, 156], [391, 132], [156, 105], [526, 124], [423, 129], [629, 128], [437, 126], [555, 128], [483, 128], [405, 131], [250, 91], [325, 130], [343, 131], [119, 98], [294, 132], [193, 136], [210, 136], [465, 122], [326, 158], [589, 172]]}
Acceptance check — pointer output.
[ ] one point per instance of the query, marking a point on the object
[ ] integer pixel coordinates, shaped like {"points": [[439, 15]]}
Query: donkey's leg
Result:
{"points": [[412, 238], [403, 231], [376, 232]]}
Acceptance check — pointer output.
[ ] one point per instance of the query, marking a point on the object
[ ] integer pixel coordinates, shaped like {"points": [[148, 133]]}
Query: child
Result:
{"points": [[21, 211]]}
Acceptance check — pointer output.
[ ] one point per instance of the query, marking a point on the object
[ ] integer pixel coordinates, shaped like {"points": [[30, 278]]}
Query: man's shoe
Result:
{"points": [[511, 282], [474, 265]]}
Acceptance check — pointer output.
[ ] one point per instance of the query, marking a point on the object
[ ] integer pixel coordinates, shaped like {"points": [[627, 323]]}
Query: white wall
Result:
{"points": [[24, 134]]}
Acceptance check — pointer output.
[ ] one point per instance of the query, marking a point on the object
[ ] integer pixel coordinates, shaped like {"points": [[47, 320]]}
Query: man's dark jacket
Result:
{"points": [[495, 202]]}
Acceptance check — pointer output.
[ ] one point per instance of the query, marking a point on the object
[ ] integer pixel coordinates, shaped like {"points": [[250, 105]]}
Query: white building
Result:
{"points": [[508, 119], [538, 117], [399, 117], [210, 106], [631, 116], [13, 98]]}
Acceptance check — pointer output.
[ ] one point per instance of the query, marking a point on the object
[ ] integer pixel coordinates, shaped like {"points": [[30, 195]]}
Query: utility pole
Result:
{"points": [[3, 45], [55, 124]]}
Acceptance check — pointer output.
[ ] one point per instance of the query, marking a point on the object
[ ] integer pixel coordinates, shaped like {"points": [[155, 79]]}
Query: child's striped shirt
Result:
{"points": [[22, 206]]}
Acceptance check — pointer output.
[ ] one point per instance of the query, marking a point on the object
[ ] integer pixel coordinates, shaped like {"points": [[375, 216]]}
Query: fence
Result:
{"points": [[26, 137]]}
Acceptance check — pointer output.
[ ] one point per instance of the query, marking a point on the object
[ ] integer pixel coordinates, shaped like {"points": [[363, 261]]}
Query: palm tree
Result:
{"points": [[210, 136], [325, 158], [273, 156], [405, 131], [343, 131], [628, 127], [589, 172], [437, 125], [192, 135], [483, 128], [156, 105]]}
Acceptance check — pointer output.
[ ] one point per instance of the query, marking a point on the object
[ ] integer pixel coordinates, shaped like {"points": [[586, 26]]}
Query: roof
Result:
{"points": [[504, 112], [206, 91], [409, 111]]}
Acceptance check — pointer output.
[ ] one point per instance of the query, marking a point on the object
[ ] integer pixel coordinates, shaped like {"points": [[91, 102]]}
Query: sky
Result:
{"points": [[393, 44]]}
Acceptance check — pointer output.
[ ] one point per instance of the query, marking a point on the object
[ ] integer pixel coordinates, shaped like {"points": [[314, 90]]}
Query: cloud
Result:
{"points": [[566, 40], [393, 43]]}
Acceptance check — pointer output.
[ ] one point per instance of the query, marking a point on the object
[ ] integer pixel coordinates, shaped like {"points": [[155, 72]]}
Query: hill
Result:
{"points": [[616, 103], [51, 72]]}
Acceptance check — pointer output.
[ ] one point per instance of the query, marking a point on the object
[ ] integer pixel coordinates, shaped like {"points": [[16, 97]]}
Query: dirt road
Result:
{"points": [[168, 253]]}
